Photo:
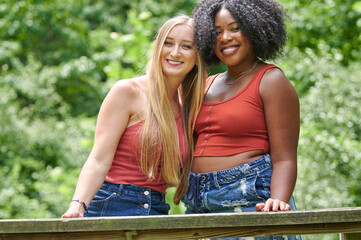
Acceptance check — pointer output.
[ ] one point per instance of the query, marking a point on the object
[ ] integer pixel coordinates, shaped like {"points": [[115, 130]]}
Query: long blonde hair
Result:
{"points": [[159, 136]]}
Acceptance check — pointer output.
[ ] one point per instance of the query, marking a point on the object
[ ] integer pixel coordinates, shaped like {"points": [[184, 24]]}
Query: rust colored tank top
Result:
{"points": [[234, 125], [125, 168]]}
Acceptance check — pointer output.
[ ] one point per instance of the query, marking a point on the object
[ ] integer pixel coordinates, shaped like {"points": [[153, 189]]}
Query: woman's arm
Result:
{"points": [[113, 118], [282, 116]]}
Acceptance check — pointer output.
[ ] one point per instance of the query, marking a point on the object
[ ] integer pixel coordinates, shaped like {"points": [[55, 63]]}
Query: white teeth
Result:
{"points": [[229, 49], [174, 62]]}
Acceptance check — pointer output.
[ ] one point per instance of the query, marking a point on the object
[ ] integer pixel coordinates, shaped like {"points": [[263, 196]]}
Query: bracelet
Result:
{"points": [[82, 203]]}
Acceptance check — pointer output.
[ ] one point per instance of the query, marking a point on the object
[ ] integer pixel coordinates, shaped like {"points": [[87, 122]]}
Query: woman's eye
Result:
{"points": [[187, 46], [167, 43], [234, 29]]}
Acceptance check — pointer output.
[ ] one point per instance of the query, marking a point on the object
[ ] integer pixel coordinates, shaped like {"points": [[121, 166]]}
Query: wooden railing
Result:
{"points": [[346, 221]]}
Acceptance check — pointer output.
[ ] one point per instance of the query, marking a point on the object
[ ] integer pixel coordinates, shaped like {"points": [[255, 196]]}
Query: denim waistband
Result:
{"points": [[196, 179], [236, 172], [129, 188]]}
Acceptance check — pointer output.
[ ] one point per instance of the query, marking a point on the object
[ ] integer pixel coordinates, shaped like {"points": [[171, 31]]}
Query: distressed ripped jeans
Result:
{"points": [[237, 189]]}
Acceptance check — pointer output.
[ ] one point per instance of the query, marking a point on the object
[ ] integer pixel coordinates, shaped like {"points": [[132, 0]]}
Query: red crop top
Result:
{"points": [[234, 125], [125, 168]]}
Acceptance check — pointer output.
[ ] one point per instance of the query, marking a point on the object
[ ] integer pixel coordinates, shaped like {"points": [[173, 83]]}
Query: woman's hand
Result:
{"points": [[272, 205], [75, 210]]}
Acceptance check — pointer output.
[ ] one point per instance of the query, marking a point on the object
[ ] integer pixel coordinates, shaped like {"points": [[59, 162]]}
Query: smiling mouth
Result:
{"points": [[229, 50], [174, 63]]}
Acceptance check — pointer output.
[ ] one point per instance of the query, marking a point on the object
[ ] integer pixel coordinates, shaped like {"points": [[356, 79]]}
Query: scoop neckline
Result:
{"points": [[232, 97], [177, 117], [238, 93]]}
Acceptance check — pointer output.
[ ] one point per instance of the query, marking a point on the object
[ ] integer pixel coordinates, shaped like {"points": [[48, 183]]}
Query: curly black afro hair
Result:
{"points": [[261, 21]]}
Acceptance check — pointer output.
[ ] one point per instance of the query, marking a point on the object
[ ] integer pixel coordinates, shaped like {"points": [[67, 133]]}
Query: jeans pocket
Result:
{"points": [[99, 205], [103, 195], [248, 187], [236, 196], [262, 184]]}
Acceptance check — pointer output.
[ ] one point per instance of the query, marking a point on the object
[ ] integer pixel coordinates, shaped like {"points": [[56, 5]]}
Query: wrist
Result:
{"points": [[82, 204]]}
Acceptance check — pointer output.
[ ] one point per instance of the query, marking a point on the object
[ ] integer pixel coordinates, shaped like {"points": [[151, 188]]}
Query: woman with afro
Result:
{"points": [[247, 130]]}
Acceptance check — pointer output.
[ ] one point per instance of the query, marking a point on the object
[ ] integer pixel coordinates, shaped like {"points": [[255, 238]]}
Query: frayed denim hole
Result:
{"points": [[264, 176], [263, 192], [248, 187]]}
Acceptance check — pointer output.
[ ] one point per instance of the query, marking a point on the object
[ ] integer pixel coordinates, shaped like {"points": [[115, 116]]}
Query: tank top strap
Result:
{"points": [[209, 82], [260, 73]]}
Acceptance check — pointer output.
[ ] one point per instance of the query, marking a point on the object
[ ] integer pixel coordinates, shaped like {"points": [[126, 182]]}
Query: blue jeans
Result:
{"points": [[237, 189], [127, 200]]}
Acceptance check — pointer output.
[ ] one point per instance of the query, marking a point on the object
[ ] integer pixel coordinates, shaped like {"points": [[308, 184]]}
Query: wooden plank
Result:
{"points": [[119, 235], [169, 234], [190, 221], [350, 236]]}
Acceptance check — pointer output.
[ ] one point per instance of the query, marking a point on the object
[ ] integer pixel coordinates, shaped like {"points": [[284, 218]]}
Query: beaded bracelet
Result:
{"points": [[82, 203]]}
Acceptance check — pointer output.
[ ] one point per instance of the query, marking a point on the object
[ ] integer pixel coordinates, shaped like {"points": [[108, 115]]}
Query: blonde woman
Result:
{"points": [[143, 135]]}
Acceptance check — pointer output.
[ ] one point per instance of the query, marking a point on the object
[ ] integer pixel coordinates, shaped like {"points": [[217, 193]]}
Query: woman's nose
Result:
{"points": [[225, 37], [175, 51]]}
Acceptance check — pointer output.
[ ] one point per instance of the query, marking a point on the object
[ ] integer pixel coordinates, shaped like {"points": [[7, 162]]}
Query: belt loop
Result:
{"points": [[215, 180], [120, 189]]}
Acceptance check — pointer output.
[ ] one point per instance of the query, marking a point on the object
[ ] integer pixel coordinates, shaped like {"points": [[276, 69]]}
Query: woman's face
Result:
{"points": [[232, 47], [178, 55]]}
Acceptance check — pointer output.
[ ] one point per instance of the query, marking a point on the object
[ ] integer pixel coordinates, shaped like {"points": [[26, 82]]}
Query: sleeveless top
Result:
{"points": [[125, 168], [234, 125]]}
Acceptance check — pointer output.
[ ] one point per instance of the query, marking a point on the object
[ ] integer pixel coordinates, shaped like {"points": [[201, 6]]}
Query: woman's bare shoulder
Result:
{"points": [[275, 82], [129, 88], [128, 96]]}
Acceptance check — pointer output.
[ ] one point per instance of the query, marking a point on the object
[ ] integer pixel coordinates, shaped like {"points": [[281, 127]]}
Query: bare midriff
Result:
{"points": [[211, 164]]}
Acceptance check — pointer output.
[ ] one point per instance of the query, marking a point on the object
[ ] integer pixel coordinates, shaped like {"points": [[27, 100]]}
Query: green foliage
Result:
{"points": [[58, 59], [331, 24], [175, 209], [329, 148], [330, 128], [36, 157]]}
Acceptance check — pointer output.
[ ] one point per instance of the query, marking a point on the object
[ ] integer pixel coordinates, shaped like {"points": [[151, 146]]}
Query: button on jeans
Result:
{"points": [[127, 200], [237, 189]]}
